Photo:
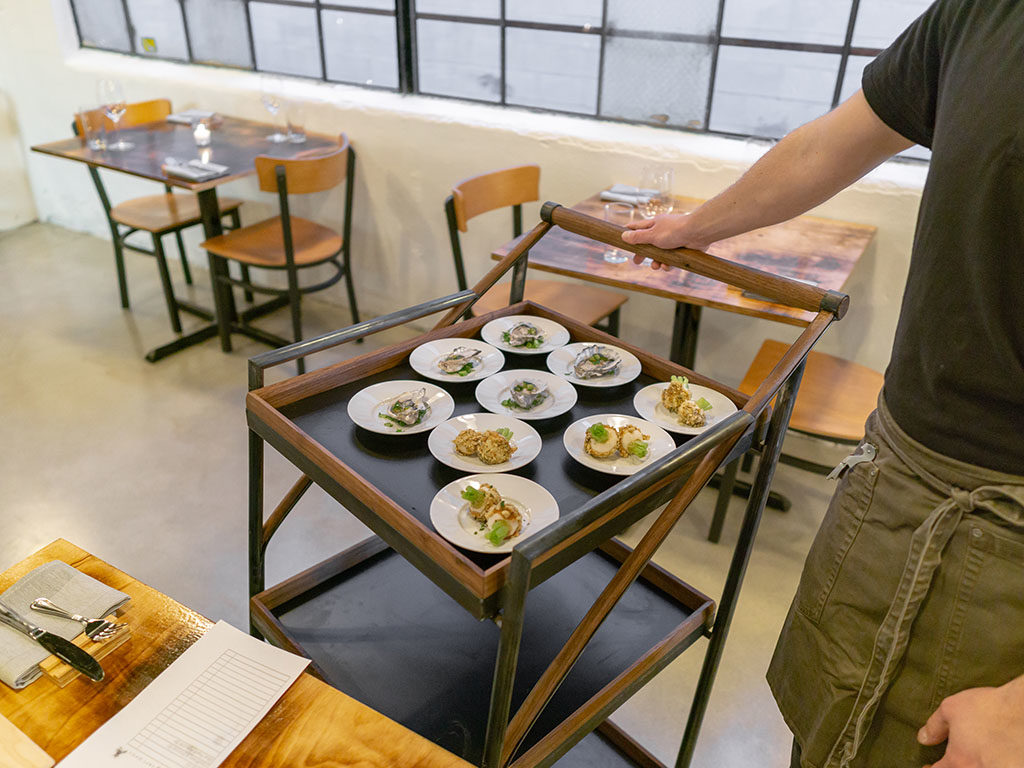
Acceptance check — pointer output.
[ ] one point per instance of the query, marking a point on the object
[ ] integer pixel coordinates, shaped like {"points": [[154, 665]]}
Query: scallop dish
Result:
{"points": [[494, 446], [603, 441], [499, 518], [676, 399]]}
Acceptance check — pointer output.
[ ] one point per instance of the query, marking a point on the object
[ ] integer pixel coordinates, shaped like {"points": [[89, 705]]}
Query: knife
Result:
{"points": [[58, 646]]}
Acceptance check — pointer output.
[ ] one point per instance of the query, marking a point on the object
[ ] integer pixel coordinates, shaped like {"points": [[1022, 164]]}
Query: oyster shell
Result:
{"points": [[528, 394], [595, 361], [455, 360], [524, 334], [409, 408]]}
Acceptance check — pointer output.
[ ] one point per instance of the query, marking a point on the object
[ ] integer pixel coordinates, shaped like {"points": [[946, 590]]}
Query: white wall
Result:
{"points": [[16, 205], [410, 151]]}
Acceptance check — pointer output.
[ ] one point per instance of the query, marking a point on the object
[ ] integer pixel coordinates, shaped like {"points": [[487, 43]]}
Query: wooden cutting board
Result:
{"points": [[19, 751]]}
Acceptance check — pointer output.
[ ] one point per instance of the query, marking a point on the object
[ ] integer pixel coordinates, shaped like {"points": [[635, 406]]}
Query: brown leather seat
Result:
{"points": [[165, 213], [261, 245]]}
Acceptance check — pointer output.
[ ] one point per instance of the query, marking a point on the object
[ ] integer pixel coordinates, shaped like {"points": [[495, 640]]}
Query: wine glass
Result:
{"points": [[111, 95], [621, 214], [656, 191], [270, 91]]}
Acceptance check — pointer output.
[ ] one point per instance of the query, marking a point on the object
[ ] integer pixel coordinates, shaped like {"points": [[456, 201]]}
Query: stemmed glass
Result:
{"points": [[110, 94], [656, 178], [270, 91]]}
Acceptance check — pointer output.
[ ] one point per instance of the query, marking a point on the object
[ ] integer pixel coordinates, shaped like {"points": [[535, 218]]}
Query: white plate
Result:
{"points": [[524, 438], [493, 391], [424, 359], [449, 512], [555, 334], [648, 404], [560, 363], [365, 405], [660, 444]]}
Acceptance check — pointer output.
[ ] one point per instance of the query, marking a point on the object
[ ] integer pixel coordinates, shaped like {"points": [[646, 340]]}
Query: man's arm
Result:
{"points": [[807, 167]]}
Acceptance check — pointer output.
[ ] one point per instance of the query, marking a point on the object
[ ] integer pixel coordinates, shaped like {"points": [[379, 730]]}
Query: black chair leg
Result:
{"points": [[122, 278], [295, 306], [184, 260], [612, 326], [165, 279], [246, 293], [725, 485]]}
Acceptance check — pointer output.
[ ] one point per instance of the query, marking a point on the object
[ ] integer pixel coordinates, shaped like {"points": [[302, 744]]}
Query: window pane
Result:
{"points": [[218, 32], [361, 48], [762, 92], [554, 70], [481, 9], [879, 22], [286, 39], [790, 21], [851, 82], [459, 59], [656, 81], [158, 28], [101, 24], [577, 12], [383, 5], [697, 18]]}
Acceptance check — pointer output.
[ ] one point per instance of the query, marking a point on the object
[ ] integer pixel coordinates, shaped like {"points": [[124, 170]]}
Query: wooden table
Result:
{"points": [[235, 143], [312, 724], [806, 248]]}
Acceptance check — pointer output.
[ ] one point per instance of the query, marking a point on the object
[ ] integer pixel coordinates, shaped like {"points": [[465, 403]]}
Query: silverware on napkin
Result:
{"points": [[96, 630], [58, 646]]}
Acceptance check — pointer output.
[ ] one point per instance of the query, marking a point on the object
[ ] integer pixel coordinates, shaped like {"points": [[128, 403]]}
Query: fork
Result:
{"points": [[96, 630]]}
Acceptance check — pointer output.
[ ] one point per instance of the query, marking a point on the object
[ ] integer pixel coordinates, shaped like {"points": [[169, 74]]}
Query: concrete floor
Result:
{"points": [[145, 466]]}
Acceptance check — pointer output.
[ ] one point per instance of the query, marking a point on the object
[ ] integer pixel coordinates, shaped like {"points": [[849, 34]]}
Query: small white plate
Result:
{"points": [[561, 361], [449, 512], [425, 357], [493, 391], [660, 444], [365, 406], [648, 404], [555, 334], [524, 437]]}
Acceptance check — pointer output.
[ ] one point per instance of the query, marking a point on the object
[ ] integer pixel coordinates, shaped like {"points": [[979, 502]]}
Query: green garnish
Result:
{"points": [[473, 495], [683, 380], [510, 403], [703, 404], [505, 432], [465, 370], [638, 448], [533, 343], [597, 357], [498, 533], [504, 336], [598, 432], [525, 386], [392, 421]]}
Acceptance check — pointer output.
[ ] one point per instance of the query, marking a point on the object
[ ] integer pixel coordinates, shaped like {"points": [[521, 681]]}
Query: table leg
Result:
{"points": [[223, 298], [684, 334]]}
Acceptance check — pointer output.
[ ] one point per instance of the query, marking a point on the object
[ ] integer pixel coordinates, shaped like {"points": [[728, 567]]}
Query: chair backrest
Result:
{"points": [[136, 114], [312, 171], [497, 189]]}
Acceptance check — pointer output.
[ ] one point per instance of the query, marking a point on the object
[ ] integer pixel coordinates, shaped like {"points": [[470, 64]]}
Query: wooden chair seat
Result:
{"points": [[584, 303], [164, 213], [835, 395], [262, 245]]}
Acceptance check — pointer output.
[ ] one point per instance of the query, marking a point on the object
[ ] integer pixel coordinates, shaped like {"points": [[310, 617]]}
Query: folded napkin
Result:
{"points": [[624, 193], [67, 587], [190, 116], [193, 170]]}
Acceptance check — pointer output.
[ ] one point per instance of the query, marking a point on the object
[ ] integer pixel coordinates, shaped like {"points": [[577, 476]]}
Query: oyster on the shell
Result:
{"points": [[458, 359], [409, 408], [524, 335], [594, 361], [528, 394]]}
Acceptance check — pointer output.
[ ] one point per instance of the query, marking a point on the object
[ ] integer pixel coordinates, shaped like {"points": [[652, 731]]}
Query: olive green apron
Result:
{"points": [[913, 590]]}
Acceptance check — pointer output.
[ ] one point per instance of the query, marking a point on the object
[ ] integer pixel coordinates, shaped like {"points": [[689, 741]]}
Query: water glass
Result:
{"points": [[296, 117], [270, 95], [94, 130], [657, 180], [110, 95], [621, 214]]}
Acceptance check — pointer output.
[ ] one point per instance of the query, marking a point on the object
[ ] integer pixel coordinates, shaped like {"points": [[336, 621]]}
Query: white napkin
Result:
{"points": [[624, 193]]}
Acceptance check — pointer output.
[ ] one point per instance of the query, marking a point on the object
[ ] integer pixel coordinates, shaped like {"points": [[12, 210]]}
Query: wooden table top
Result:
{"points": [[312, 724], [806, 248], [233, 142]]}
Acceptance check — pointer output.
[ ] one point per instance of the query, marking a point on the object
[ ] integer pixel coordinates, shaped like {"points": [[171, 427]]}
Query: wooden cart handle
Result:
{"points": [[792, 293]]}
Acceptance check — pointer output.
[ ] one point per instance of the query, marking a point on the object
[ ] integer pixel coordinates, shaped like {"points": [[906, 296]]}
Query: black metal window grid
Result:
{"points": [[408, 64]]}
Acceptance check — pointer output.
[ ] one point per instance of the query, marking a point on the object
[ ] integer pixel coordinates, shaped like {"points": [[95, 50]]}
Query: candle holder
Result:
{"points": [[201, 133]]}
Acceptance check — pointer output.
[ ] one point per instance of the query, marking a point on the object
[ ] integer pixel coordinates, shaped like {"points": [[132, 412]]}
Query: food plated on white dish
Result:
{"points": [[456, 359], [682, 407], [484, 442], [491, 513], [526, 394], [400, 407], [616, 444], [525, 334], [594, 365]]}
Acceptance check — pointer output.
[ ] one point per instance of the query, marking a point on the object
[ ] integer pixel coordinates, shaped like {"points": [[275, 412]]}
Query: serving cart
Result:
{"points": [[507, 659]]}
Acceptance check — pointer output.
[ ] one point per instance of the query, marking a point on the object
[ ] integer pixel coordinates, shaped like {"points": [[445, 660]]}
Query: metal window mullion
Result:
{"points": [[714, 64], [356, 9], [252, 39], [845, 57], [184, 27], [504, 79], [78, 27], [405, 34], [600, 56], [129, 26], [320, 39]]}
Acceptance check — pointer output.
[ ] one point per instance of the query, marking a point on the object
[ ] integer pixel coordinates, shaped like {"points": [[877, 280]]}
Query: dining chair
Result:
{"points": [[289, 243], [513, 187], [835, 398], [158, 215]]}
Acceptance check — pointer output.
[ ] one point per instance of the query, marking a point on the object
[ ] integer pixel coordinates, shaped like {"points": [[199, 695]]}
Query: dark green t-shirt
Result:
{"points": [[954, 82]]}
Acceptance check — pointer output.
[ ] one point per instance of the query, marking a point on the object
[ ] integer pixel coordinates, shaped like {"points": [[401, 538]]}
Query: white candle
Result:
{"points": [[202, 134]]}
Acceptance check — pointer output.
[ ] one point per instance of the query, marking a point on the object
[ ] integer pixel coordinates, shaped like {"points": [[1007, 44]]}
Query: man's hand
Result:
{"points": [[670, 230], [983, 728]]}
